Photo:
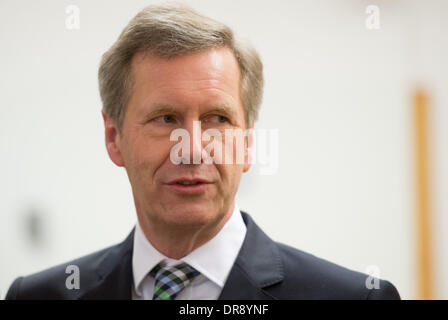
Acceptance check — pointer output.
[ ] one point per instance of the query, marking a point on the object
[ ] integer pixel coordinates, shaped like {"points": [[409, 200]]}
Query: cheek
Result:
{"points": [[233, 148], [230, 176], [146, 156], [229, 159]]}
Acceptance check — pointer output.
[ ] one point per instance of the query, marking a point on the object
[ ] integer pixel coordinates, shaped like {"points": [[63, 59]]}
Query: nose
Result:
{"points": [[194, 155]]}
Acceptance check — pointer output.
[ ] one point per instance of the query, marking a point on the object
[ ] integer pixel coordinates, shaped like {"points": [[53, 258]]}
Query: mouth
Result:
{"points": [[189, 186], [188, 183]]}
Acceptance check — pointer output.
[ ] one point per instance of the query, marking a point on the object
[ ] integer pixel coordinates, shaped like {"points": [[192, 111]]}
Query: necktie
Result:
{"points": [[170, 281]]}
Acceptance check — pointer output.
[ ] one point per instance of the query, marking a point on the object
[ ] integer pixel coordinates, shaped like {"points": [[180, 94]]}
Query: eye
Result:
{"points": [[222, 119], [167, 118], [217, 119]]}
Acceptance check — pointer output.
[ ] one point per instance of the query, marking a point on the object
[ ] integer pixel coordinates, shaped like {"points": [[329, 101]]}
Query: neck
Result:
{"points": [[176, 241]]}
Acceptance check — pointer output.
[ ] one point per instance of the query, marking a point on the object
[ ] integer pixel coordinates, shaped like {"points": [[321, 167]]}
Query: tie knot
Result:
{"points": [[170, 281]]}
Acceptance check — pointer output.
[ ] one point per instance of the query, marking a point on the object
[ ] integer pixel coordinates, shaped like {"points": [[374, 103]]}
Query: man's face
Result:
{"points": [[168, 94]]}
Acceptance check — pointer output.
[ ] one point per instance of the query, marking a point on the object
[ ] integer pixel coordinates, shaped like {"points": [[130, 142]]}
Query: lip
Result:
{"points": [[189, 189], [201, 180]]}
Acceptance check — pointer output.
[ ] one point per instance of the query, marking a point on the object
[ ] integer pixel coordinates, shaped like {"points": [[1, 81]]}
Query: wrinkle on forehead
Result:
{"points": [[222, 67], [211, 74]]}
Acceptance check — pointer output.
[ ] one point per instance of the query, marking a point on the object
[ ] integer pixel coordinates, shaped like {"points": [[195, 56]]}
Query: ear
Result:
{"points": [[113, 140], [248, 157]]}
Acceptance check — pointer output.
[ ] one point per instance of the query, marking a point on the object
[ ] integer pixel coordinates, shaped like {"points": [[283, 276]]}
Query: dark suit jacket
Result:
{"points": [[264, 269]]}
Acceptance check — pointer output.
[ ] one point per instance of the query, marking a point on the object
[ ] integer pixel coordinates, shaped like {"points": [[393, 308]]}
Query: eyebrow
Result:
{"points": [[159, 109], [162, 108], [225, 109]]}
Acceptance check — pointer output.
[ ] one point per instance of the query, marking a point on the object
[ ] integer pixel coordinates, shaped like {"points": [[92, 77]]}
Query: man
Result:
{"points": [[170, 70]]}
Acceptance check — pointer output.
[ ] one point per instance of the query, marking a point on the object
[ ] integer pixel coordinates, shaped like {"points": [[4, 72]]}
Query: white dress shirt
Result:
{"points": [[213, 260]]}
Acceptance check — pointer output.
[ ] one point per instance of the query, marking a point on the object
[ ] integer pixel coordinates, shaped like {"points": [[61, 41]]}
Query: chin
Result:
{"points": [[194, 215]]}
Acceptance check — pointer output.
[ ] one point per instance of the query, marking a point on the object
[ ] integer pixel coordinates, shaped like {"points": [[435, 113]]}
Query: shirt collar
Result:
{"points": [[214, 259]]}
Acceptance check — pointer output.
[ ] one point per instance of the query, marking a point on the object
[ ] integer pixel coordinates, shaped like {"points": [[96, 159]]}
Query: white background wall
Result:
{"points": [[338, 93]]}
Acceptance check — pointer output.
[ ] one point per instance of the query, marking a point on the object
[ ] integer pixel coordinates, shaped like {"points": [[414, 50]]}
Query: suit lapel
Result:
{"points": [[114, 274], [257, 266]]}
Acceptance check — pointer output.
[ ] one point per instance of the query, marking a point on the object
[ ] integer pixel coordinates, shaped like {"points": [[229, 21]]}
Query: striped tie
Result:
{"points": [[170, 281]]}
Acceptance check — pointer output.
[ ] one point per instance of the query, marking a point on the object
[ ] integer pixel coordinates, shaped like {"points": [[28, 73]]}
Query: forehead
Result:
{"points": [[209, 74]]}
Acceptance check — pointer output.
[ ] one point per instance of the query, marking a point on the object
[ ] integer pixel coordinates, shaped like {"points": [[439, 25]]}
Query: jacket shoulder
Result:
{"points": [[309, 277], [51, 283]]}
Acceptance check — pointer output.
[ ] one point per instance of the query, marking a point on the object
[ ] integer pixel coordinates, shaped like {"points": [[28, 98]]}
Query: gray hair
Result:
{"points": [[169, 30]]}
